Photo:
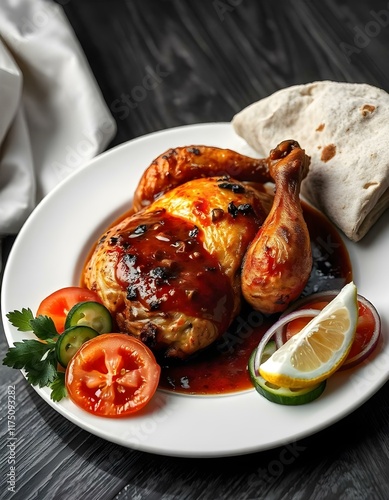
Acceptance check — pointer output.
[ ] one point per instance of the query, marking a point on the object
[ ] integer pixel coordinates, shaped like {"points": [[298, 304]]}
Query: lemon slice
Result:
{"points": [[318, 350]]}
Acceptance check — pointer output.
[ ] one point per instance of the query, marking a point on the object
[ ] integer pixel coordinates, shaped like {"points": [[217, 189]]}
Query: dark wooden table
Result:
{"points": [[210, 59]]}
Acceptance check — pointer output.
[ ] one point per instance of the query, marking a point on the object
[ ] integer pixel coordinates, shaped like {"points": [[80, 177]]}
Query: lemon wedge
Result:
{"points": [[319, 349]]}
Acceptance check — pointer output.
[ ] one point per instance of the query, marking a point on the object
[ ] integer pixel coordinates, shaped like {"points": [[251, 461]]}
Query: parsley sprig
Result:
{"points": [[36, 357]]}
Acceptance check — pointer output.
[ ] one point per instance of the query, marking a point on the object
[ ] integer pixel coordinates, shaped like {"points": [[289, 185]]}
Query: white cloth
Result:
{"points": [[53, 116]]}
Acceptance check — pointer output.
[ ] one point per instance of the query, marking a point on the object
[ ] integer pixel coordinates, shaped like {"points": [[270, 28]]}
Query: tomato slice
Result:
{"points": [[112, 375], [58, 304], [364, 332]]}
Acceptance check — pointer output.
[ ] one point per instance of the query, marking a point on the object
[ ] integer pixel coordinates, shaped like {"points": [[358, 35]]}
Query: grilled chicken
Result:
{"points": [[170, 273]]}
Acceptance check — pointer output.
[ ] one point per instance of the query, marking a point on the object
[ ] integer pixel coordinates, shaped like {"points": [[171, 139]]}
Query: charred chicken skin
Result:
{"points": [[171, 272]]}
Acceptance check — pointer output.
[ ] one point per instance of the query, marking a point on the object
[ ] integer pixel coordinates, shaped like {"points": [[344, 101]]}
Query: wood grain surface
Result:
{"points": [[166, 63]]}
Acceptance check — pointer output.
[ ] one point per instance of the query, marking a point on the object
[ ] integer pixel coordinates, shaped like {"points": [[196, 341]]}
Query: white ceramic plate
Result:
{"points": [[48, 255]]}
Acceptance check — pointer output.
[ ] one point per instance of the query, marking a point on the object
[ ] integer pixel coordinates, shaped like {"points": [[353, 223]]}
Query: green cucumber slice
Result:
{"points": [[281, 395], [70, 341], [92, 314]]}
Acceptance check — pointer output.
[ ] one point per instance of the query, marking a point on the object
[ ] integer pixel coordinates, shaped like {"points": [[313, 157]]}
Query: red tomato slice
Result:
{"points": [[112, 375], [58, 304], [364, 332]]}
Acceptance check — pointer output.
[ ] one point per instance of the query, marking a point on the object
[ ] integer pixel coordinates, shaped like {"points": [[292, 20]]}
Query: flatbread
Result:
{"points": [[344, 128]]}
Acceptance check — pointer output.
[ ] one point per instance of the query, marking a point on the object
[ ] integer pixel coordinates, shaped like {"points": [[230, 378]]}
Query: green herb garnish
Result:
{"points": [[36, 357]]}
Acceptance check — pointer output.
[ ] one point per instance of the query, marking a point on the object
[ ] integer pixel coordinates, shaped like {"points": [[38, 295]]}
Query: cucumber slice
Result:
{"points": [[269, 349], [70, 341], [281, 395], [92, 314]]}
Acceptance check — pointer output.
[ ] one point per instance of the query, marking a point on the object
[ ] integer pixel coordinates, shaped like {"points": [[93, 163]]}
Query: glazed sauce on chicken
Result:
{"points": [[163, 264], [222, 368]]}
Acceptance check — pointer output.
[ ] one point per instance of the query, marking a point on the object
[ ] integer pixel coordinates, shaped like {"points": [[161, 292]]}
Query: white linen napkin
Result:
{"points": [[53, 116]]}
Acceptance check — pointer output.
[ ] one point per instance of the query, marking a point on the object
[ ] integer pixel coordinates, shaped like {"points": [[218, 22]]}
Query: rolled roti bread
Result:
{"points": [[344, 128]]}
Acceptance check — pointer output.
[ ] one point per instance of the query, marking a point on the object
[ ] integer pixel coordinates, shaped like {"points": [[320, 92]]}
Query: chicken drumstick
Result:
{"points": [[278, 262]]}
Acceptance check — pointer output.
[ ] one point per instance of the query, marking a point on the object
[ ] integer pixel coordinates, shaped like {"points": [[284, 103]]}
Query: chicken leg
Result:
{"points": [[278, 262]]}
